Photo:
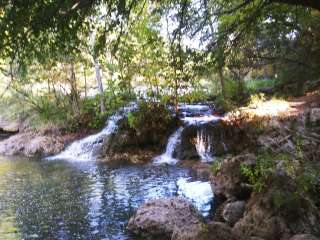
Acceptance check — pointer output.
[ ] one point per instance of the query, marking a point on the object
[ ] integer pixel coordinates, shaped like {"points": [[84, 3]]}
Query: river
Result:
{"points": [[73, 196], [41, 199]]}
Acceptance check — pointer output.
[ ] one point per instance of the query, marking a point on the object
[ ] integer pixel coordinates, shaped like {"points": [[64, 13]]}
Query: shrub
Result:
{"points": [[151, 118], [266, 164]]}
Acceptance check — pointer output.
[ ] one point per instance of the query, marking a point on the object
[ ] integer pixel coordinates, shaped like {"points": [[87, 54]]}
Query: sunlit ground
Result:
{"points": [[271, 108], [274, 108]]}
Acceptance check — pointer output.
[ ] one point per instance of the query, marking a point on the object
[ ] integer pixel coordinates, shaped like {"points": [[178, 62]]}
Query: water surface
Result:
{"points": [[77, 200]]}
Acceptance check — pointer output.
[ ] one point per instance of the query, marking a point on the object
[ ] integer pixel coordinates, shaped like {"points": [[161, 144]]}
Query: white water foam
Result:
{"points": [[167, 157], [198, 193], [203, 146]]}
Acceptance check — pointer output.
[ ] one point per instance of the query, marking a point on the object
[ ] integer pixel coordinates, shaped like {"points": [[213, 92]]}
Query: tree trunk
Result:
{"points": [[85, 82], [74, 91], [100, 86], [222, 82]]}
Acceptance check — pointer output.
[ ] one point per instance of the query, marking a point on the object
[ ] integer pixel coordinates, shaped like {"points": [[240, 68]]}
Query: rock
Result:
{"points": [[233, 211], [221, 137], [131, 146], [9, 126], [315, 116], [186, 150], [134, 156], [229, 181], [277, 213], [217, 231], [172, 218], [200, 171], [31, 144], [304, 237]]}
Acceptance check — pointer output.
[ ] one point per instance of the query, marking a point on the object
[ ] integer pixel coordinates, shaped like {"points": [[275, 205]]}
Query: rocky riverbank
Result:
{"points": [[37, 143], [269, 191], [268, 188]]}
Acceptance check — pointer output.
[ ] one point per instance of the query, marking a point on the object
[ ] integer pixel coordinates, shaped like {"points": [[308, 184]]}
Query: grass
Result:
{"points": [[254, 85]]}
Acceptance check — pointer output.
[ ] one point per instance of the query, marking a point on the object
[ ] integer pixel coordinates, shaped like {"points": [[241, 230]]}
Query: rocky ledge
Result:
{"points": [[175, 219], [274, 213], [29, 143]]}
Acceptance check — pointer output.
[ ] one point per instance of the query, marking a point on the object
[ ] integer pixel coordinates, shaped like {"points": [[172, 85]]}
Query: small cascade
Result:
{"points": [[197, 114], [167, 157], [203, 146], [192, 115], [86, 149]]}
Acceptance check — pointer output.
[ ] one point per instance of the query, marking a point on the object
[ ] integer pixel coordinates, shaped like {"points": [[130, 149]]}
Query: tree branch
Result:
{"points": [[304, 3]]}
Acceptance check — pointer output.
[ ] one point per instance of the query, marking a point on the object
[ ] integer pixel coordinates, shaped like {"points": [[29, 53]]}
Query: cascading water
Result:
{"points": [[203, 146], [86, 149], [191, 115], [167, 157]]}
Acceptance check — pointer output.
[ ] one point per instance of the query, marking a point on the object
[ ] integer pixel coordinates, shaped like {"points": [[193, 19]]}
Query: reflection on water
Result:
{"points": [[65, 200]]}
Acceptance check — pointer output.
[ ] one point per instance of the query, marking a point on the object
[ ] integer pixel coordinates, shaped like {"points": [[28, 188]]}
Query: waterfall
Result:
{"points": [[86, 149], [192, 115], [203, 146], [173, 141]]}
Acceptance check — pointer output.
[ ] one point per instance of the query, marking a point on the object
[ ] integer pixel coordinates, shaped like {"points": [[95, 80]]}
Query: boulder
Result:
{"points": [[127, 144], [32, 144], [315, 116], [230, 182], [233, 211], [277, 212], [173, 218], [217, 231], [222, 139], [9, 126], [304, 237]]}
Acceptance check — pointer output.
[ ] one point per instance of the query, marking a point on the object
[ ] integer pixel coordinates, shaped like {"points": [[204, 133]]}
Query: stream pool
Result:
{"points": [[42, 199]]}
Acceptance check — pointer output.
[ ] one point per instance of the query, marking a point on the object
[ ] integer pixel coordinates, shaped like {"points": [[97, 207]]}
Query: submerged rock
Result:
{"points": [[173, 218]]}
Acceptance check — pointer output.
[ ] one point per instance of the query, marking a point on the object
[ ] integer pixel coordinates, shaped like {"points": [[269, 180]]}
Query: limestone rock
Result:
{"points": [[315, 115], [233, 211], [304, 237], [217, 231], [276, 212], [31, 144], [229, 181], [172, 218], [9, 126]]}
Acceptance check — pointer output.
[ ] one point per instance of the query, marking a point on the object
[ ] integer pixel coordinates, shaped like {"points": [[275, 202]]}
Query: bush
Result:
{"points": [[266, 164], [152, 118]]}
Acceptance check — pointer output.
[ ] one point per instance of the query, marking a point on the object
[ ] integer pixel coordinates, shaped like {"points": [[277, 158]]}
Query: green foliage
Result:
{"points": [[309, 180], [216, 166], [255, 85], [151, 118], [266, 163], [91, 116], [256, 100]]}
